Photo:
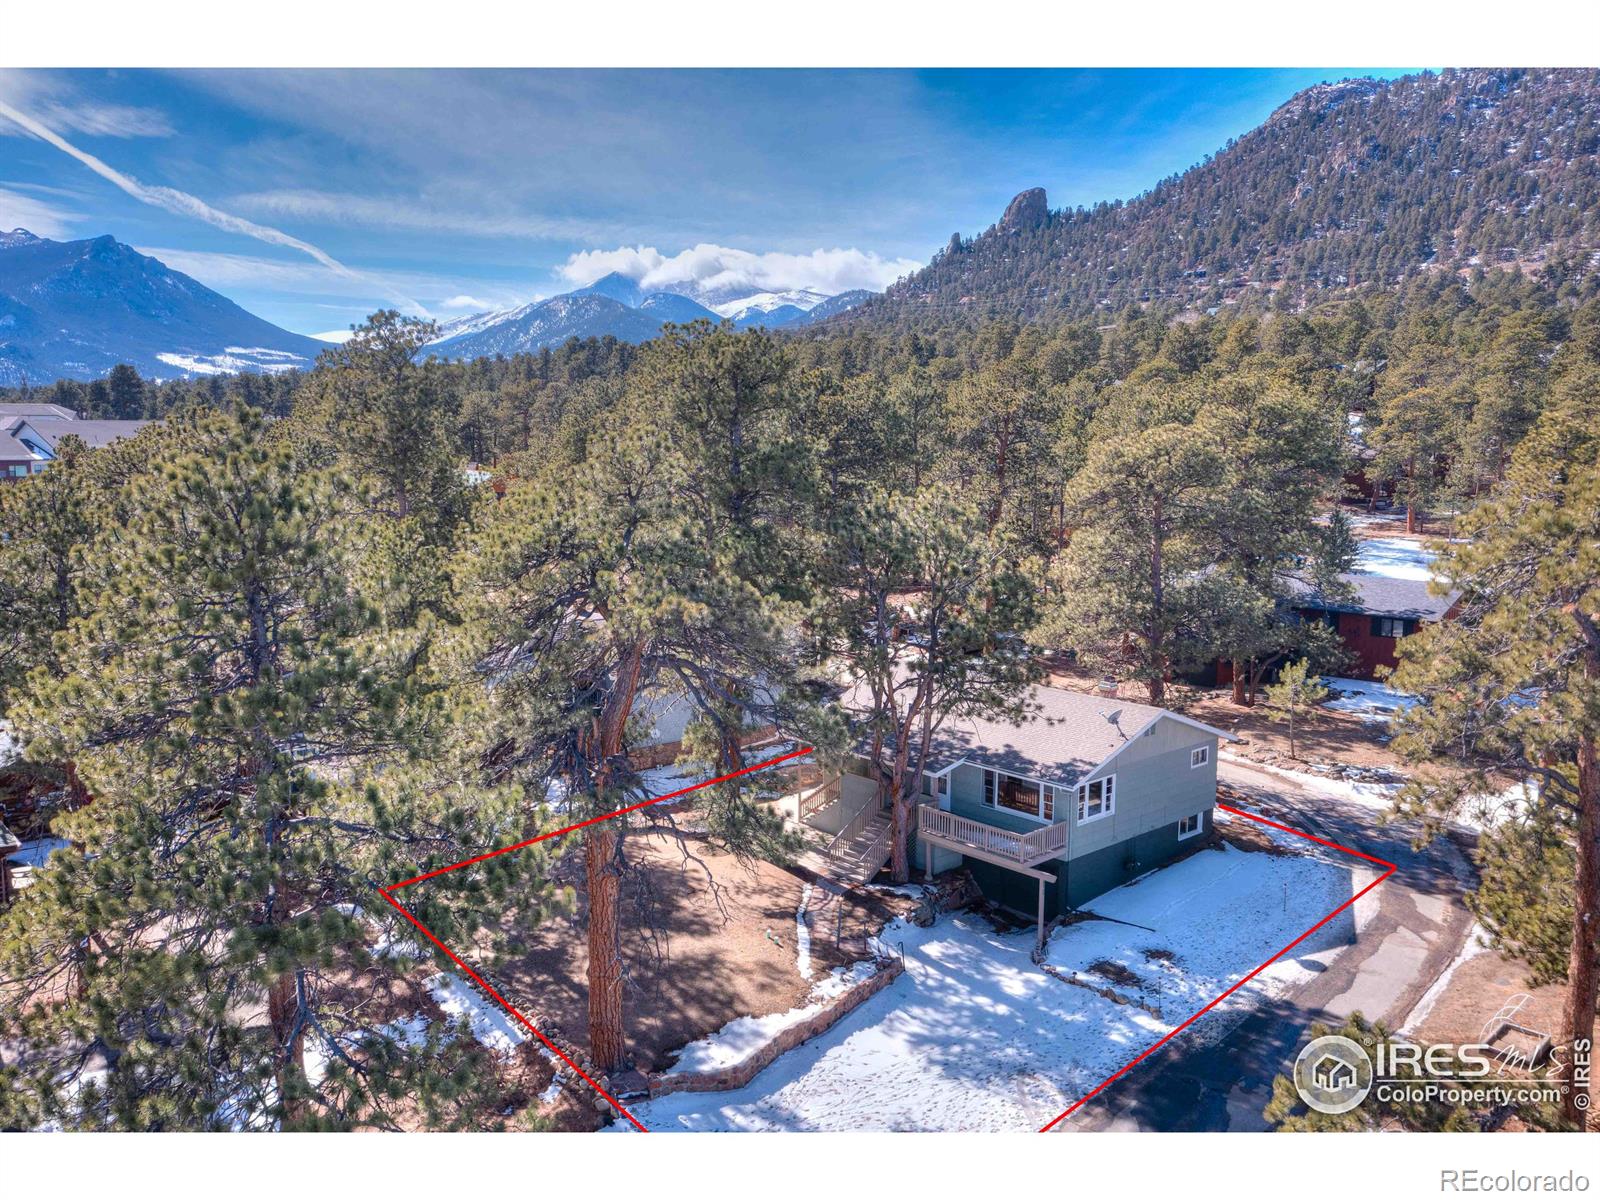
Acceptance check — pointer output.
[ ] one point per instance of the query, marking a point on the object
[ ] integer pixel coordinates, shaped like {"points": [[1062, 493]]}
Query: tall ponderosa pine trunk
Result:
{"points": [[602, 870], [607, 1045]]}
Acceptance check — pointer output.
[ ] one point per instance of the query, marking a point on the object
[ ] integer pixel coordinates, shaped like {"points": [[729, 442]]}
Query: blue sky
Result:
{"points": [[313, 197]]}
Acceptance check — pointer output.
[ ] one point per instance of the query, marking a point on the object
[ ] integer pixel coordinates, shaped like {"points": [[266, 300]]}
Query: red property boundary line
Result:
{"points": [[387, 894]]}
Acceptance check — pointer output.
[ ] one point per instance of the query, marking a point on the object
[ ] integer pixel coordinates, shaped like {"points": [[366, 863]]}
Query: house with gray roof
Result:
{"points": [[1378, 611], [1085, 793], [29, 439]]}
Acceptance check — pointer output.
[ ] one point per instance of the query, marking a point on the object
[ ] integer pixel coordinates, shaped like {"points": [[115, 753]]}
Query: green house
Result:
{"points": [[1088, 792]]}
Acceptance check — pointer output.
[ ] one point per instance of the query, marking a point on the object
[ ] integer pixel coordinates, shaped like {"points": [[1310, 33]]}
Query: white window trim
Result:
{"points": [[1108, 803], [1199, 820], [995, 805], [1205, 756]]}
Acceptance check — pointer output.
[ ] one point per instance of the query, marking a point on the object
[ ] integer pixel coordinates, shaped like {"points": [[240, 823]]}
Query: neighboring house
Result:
{"points": [[9, 845], [1088, 792], [663, 716], [1384, 610], [35, 409], [30, 435]]}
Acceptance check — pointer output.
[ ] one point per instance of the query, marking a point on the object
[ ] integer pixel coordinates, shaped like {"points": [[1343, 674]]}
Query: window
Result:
{"points": [[1199, 756], [1190, 826], [935, 785], [1392, 627], [1097, 798], [1034, 800]]}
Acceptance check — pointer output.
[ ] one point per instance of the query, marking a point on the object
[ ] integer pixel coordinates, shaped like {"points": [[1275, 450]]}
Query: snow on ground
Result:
{"points": [[974, 1036], [743, 1036], [1191, 943], [409, 1031], [1476, 943], [1395, 558], [1476, 813], [661, 781], [10, 748], [491, 1024], [1373, 702]]}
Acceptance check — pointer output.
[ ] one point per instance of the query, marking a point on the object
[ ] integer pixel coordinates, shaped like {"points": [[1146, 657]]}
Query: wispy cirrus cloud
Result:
{"points": [[231, 272], [19, 210], [183, 204], [712, 268], [61, 107], [412, 215]]}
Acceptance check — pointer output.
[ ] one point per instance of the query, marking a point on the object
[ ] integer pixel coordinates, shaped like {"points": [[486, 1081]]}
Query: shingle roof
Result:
{"points": [[12, 450], [94, 433], [33, 409], [1382, 596], [1064, 737]]}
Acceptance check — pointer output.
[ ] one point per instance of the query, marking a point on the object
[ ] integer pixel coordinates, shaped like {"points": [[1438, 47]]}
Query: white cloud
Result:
{"points": [[396, 212], [463, 300], [710, 269], [37, 217], [186, 205], [337, 336], [231, 272], [60, 108]]}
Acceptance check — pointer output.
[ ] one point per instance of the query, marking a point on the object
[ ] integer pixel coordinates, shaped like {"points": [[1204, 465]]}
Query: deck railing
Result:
{"points": [[1026, 848], [813, 796]]}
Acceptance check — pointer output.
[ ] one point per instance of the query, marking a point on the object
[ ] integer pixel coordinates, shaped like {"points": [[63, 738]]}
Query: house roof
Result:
{"points": [[1065, 736], [1381, 596], [12, 450], [95, 434], [37, 409]]}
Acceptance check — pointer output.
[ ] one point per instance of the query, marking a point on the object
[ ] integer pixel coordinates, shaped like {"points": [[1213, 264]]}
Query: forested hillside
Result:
{"points": [[1361, 182]]}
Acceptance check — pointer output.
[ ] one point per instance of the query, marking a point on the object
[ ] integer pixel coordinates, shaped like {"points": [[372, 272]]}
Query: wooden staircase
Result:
{"points": [[854, 855]]}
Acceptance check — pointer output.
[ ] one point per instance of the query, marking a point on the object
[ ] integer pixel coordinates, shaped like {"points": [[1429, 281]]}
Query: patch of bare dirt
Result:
{"points": [[1115, 972], [708, 938]]}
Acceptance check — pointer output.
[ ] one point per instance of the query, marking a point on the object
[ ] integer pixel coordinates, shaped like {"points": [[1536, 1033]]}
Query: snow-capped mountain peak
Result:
{"points": [[615, 306], [764, 302]]}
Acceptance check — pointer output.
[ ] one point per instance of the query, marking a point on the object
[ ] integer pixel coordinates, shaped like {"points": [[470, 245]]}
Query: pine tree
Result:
{"points": [[372, 403], [1283, 453], [1513, 683], [225, 694], [1129, 590], [1295, 696], [594, 585], [921, 614]]}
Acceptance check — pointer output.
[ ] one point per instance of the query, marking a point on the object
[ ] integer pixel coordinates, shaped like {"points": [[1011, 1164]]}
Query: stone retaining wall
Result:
{"points": [[741, 1073]]}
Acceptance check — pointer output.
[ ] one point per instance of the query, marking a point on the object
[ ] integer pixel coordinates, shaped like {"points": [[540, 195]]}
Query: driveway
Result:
{"points": [[1407, 932], [975, 1036]]}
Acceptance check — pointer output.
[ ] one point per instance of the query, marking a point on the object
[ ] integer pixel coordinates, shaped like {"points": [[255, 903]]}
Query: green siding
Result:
{"points": [[1155, 787]]}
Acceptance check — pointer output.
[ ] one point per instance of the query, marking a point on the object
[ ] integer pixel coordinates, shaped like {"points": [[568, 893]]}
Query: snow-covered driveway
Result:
{"points": [[974, 1036]]}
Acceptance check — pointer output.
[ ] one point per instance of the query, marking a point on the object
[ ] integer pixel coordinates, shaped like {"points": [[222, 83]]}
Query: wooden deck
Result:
{"points": [[1006, 846]]}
